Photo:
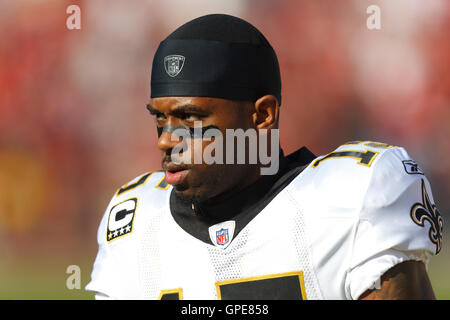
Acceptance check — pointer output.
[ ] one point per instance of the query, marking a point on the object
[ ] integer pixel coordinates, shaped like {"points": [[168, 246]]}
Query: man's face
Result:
{"points": [[201, 181]]}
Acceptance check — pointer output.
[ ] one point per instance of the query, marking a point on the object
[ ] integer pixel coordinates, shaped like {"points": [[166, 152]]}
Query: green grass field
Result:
{"points": [[42, 280]]}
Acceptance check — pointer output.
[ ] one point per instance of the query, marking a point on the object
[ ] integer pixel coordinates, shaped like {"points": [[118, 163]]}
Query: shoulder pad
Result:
{"points": [[365, 153], [144, 190], [342, 177], [147, 182]]}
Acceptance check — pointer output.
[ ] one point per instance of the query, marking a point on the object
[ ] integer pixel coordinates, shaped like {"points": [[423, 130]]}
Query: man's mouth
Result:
{"points": [[175, 174]]}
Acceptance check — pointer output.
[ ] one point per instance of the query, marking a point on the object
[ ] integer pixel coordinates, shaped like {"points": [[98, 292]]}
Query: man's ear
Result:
{"points": [[266, 112]]}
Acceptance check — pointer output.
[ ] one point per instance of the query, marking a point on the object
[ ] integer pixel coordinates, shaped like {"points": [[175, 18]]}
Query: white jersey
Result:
{"points": [[329, 234]]}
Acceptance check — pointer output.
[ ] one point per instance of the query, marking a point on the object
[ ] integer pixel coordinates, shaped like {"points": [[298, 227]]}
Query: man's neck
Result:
{"points": [[252, 174]]}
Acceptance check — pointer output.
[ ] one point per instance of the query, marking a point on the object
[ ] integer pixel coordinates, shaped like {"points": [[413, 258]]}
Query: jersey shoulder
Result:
{"points": [[145, 193], [149, 183], [378, 184], [375, 198], [343, 177], [125, 221]]}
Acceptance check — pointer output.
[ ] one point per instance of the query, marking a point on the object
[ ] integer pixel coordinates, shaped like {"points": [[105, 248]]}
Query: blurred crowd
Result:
{"points": [[73, 123]]}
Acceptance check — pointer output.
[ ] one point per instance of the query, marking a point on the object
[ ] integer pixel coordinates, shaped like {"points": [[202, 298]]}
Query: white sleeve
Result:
{"points": [[398, 221], [101, 296], [101, 276]]}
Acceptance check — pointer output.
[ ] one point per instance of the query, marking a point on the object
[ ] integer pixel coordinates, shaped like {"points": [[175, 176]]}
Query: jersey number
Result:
{"points": [[281, 286], [162, 184], [364, 157]]}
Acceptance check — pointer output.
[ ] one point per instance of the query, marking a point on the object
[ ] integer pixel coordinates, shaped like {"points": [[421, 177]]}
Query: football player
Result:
{"points": [[357, 223]]}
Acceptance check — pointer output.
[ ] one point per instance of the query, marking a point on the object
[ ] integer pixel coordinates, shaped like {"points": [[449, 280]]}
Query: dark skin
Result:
{"points": [[215, 182]]}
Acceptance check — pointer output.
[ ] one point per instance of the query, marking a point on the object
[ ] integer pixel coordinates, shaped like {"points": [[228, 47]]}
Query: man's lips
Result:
{"points": [[175, 174], [174, 178]]}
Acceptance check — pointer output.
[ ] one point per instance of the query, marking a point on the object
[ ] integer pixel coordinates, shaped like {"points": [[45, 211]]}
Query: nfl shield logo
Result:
{"points": [[173, 64], [222, 237]]}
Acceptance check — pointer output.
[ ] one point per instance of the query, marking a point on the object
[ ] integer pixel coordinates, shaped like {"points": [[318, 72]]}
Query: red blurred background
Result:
{"points": [[73, 123]]}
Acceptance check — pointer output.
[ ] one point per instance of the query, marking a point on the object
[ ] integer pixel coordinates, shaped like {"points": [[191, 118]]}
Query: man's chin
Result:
{"points": [[188, 194]]}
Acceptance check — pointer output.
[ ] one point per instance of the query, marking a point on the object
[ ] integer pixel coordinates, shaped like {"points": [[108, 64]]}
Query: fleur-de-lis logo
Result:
{"points": [[421, 212]]}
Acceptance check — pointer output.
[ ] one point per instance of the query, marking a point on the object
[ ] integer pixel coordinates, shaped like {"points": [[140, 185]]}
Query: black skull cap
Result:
{"points": [[216, 55]]}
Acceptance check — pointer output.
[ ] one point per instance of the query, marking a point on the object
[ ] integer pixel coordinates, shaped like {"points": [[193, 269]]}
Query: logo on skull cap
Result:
{"points": [[173, 64]]}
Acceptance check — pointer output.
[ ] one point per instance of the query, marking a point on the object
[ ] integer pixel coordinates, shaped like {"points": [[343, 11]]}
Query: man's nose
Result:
{"points": [[167, 140]]}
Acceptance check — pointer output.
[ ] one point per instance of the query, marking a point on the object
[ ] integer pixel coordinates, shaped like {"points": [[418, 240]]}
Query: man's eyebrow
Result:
{"points": [[152, 110], [185, 108]]}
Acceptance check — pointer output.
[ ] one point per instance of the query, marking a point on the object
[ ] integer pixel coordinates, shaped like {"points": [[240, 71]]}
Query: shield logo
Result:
{"points": [[222, 237], [173, 64], [221, 234]]}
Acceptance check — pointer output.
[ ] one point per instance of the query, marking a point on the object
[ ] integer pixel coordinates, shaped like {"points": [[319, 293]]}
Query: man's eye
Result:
{"points": [[160, 117], [191, 117]]}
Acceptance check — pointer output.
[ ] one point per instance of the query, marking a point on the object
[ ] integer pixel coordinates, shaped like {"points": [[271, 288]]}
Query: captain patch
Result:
{"points": [[120, 220]]}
